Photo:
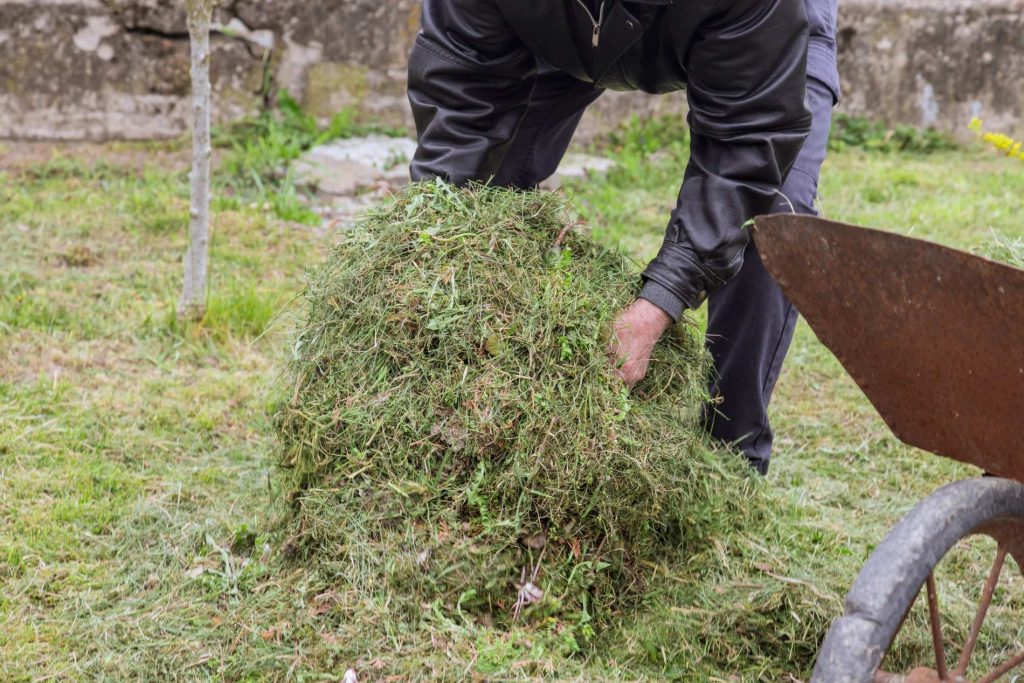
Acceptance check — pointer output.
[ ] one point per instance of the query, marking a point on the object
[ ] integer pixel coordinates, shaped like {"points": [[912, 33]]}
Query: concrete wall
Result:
{"points": [[934, 62], [100, 69]]}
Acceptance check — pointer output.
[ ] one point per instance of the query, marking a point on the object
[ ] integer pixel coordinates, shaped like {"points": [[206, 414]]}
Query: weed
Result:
{"points": [[856, 131], [660, 135], [1009, 146]]}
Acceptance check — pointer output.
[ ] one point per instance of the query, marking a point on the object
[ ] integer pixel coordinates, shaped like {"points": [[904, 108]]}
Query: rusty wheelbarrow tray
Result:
{"points": [[935, 339]]}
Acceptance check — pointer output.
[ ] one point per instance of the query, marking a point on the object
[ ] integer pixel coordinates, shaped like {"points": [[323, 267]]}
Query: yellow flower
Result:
{"points": [[1000, 141]]}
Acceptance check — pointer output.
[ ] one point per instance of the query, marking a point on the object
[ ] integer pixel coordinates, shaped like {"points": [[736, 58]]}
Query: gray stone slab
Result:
{"points": [[577, 167], [345, 167]]}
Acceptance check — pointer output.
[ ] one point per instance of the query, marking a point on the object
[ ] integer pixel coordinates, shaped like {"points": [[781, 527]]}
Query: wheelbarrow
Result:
{"points": [[935, 338]]}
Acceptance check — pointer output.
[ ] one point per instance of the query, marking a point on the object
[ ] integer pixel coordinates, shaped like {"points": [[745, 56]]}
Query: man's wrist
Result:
{"points": [[660, 296], [650, 318]]}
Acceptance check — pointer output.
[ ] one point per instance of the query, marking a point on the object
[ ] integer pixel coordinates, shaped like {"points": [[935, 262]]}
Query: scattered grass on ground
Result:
{"points": [[139, 485]]}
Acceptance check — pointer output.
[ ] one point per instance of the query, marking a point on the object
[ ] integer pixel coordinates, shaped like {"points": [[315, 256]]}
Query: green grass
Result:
{"points": [[138, 499]]}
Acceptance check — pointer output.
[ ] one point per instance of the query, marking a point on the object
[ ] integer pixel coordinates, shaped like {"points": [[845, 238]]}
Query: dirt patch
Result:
{"points": [[27, 357], [18, 156]]}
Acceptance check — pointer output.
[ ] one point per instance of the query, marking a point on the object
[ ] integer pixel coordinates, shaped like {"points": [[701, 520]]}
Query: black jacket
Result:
{"points": [[742, 62]]}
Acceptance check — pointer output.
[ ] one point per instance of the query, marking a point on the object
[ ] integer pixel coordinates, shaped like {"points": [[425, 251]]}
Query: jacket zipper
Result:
{"points": [[596, 38]]}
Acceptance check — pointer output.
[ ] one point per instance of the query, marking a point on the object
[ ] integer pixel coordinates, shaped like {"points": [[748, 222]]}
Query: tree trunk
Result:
{"points": [[193, 293]]}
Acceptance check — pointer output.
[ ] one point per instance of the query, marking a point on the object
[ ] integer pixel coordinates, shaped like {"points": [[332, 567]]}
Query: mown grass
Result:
{"points": [[138, 496], [451, 419]]}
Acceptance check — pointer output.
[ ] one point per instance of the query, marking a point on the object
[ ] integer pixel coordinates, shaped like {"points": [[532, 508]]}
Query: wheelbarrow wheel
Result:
{"points": [[901, 568]]}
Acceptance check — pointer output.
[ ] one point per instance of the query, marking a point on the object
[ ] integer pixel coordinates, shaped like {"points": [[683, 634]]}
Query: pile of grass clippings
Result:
{"points": [[451, 423]]}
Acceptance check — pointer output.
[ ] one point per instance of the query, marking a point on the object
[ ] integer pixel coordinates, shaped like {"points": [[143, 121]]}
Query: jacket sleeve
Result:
{"points": [[821, 44], [469, 85], [746, 79]]}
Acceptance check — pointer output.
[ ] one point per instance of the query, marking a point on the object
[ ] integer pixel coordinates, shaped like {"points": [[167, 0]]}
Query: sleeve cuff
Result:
{"points": [[663, 298]]}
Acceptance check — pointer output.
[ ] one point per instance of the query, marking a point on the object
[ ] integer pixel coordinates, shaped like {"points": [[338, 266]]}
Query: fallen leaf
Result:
{"points": [[322, 603], [274, 632], [332, 639]]}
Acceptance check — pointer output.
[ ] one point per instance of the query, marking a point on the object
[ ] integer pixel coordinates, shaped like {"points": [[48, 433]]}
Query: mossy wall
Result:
{"points": [[99, 69]]}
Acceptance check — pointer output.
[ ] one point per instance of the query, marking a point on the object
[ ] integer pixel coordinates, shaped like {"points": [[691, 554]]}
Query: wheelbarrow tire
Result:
{"points": [[893, 576]]}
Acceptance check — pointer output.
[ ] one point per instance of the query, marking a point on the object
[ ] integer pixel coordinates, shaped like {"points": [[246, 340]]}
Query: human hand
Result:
{"points": [[637, 329]]}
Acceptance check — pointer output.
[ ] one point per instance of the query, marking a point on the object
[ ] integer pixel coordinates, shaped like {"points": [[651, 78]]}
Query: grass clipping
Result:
{"points": [[454, 434], [1005, 249]]}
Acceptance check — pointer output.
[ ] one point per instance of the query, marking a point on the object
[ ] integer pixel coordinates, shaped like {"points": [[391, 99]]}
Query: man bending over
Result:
{"points": [[498, 87]]}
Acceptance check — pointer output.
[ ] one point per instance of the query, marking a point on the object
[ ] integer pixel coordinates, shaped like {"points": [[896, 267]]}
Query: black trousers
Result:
{"points": [[750, 320]]}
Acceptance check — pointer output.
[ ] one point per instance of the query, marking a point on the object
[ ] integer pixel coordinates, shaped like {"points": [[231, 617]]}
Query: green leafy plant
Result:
{"points": [[645, 137], [856, 131]]}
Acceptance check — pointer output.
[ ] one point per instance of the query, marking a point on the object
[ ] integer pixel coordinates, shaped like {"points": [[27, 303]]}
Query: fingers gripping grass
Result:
{"points": [[451, 420]]}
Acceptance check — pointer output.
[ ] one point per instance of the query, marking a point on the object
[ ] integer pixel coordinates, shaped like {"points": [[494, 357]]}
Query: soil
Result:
{"points": [[18, 155]]}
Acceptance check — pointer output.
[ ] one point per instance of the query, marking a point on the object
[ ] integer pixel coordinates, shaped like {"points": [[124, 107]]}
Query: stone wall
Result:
{"points": [[101, 69], [934, 62]]}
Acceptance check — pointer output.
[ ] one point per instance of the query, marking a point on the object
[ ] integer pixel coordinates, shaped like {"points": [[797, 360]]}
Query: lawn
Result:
{"points": [[138, 489]]}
